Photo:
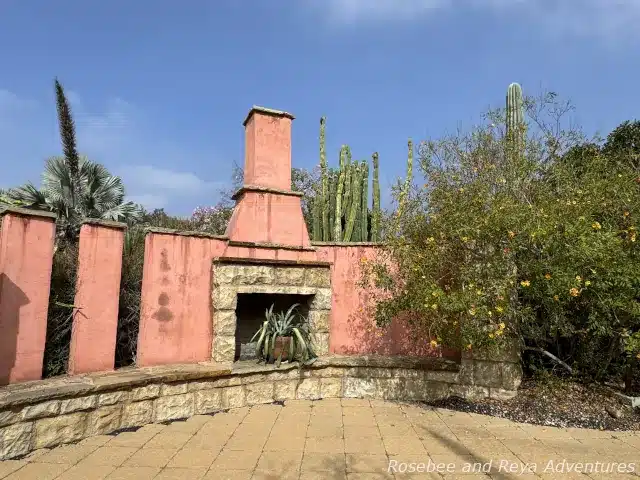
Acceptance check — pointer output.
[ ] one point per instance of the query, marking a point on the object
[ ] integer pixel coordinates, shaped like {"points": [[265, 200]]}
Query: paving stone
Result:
{"points": [[151, 457], [39, 471], [181, 474], [323, 462], [134, 473]]}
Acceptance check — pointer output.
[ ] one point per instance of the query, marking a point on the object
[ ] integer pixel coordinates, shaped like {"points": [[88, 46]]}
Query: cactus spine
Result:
{"points": [[375, 207], [364, 227], [515, 116]]}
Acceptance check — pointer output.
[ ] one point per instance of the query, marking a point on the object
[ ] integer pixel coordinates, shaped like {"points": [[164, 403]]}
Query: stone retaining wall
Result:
{"points": [[47, 413]]}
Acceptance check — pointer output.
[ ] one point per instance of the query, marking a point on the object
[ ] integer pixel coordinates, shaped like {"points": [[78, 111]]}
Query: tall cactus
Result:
{"points": [[339, 196], [346, 201], [353, 210], [407, 182], [333, 184], [375, 207], [364, 226], [317, 216], [515, 116], [325, 181]]}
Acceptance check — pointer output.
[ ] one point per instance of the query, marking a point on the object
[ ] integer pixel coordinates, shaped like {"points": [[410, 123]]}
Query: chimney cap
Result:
{"points": [[266, 111]]}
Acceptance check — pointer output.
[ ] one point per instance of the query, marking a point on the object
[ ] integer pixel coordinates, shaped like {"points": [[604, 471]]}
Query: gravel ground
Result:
{"points": [[557, 403]]}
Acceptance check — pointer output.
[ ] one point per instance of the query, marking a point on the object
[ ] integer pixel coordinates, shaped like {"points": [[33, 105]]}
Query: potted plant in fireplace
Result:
{"points": [[284, 336]]}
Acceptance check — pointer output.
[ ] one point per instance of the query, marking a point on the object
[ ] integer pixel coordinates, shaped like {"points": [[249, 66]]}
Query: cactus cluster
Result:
{"points": [[341, 209]]}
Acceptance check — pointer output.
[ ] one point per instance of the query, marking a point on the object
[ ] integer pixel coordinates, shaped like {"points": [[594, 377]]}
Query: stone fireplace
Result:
{"points": [[243, 288], [269, 258]]}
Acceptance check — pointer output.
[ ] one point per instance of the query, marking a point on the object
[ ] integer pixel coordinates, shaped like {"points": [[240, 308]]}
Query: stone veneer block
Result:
{"points": [[293, 276], [224, 322], [224, 348]]}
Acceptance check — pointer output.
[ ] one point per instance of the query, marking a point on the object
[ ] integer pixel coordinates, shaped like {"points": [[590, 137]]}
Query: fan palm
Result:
{"points": [[95, 194]]}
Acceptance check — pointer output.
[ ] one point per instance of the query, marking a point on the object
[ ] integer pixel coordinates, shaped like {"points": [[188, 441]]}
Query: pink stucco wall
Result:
{"points": [[175, 309], [353, 329], [176, 320], [95, 321], [26, 257], [175, 312]]}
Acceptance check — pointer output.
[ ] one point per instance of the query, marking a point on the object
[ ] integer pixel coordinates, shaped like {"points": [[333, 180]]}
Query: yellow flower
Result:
{"points": [[499, 309], [574, 292], [478, 292], [499, 332], [434, 293], [461, 190], [472, 312], [633, 237], [491, 335], [431, 239], [587, 283], [512, 234], [469, 347], [434, 306], [525, 283], [596, 225], [465, 239], [626, 214], [434, 343], [578, 278], [556, 298], [490, 313], [638, 356], [502, 326], [547, 276]]}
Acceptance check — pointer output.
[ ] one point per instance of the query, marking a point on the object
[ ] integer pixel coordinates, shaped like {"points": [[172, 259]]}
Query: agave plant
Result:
{"points": [[286, 330]]}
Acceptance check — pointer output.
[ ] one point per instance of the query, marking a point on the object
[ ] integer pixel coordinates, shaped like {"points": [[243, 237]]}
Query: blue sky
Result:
{"points": [[159, 88]]}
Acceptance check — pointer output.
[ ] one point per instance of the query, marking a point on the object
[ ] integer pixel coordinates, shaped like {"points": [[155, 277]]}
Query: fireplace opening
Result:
{"points": [[250, 313]]}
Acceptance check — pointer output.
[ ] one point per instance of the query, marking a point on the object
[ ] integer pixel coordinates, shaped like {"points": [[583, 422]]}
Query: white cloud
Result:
{"points": [[119, 136], [608, 19]]}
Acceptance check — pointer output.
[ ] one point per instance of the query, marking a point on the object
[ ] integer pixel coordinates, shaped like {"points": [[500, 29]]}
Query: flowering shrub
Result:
{"points": [[522, 243]]}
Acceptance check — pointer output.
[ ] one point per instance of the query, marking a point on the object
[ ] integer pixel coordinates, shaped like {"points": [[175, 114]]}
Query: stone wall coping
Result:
{"points": [[28, 393], [271, 261], [73, 386], [266, 111], [184, 233], [27, 212], [270, 246], [346, 244], [260, 189], [104, 223]]}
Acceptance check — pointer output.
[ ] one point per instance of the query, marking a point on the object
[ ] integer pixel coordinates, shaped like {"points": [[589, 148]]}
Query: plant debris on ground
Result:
{"points": [[557, 403]]}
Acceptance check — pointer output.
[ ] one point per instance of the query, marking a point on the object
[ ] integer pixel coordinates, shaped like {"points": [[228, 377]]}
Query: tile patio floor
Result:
{"points": [[329, 439]]}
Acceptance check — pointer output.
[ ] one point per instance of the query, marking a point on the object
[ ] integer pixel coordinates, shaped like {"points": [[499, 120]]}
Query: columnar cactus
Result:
{"points": [[364, 226], [407, 182], [375, 207], [515, 115], [333, 184], [341, 206], [324, 195], [339, 195], [354, 203]]}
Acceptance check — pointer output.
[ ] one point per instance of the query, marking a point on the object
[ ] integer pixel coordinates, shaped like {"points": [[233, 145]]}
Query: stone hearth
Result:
{"points": [[238, 276]]}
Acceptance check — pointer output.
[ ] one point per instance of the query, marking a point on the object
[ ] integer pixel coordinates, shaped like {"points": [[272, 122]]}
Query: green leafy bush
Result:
{"points": [[525, 243]]}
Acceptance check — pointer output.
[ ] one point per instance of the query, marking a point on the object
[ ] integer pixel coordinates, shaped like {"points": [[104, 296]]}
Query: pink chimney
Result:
{"points": [[267, 211]]}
